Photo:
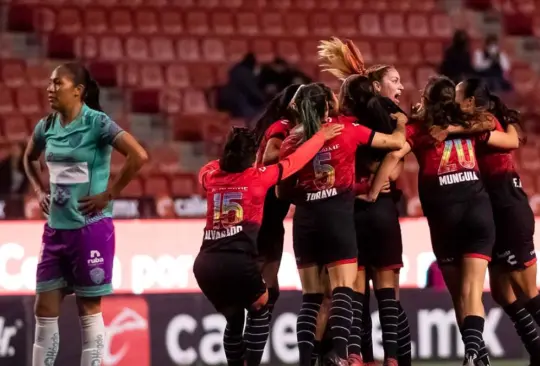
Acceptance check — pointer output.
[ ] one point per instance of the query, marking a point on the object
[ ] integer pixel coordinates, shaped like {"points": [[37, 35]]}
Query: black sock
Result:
{"points": [[525, 327], [340, 320], [533, 307], [315, 353], [273, 295], [388, 313], [367, 339], [483, 355], [473, 327], [233, 339], [355, 338], [404, 338], [306, 325], [256, 335]]}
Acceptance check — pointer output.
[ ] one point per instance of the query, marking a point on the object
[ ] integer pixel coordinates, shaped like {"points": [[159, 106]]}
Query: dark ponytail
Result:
{"points": [[239, 152], [91, 95], [505, 115], [81, 76], [311, 105], [440, 108]]}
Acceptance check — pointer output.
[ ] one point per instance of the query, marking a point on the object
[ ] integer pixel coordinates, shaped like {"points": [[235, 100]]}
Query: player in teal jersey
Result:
{"points": [[78, 241]]}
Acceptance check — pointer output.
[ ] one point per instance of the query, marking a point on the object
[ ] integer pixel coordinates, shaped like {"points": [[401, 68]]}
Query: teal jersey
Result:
{"points": [[78, 157]]}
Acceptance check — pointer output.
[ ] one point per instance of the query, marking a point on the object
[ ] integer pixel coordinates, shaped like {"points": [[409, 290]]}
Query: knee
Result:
{"points": [[89, 305], [46, 309]]}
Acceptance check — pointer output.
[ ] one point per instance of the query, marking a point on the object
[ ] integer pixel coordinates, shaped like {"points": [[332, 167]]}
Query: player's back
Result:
{"points": [[234, 207], [331, 172]]}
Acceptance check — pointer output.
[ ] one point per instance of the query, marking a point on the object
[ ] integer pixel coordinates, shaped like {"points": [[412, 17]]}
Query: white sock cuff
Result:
{"points": [[88, 321], [44, 321]]}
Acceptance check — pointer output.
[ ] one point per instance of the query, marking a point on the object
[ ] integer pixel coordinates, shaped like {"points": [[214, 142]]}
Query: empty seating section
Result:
{"points": [[168, 55]]}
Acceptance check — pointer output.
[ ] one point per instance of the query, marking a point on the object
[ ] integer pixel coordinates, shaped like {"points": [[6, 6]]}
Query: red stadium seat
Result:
{"points": [[188, 127], [524, 79], [423, 74], [177, 76], [213, 50], [38, 74], [410, 52], [379, 6], [288, 50], [237, 49], [166, 158], [247, 24], [162, 49], [417, 25], [156, 185], [529, 158], [346, 25], [171, 101], [309, 51], [304, 4], [15, 127], [13, 73], [197, 23], [86, 47], [44, 19], [272, 24], [386, 52], [146, 21], [28, 100], [367, 51], [433, 52], [152, 76], [320, 24], [183, 185], [188, 50], [120, 21], [441, 26], [355, 5], [370, 25], [134, 189], [195, 102], [117, 161], [202, 76], [171, 22], [296, 24], [69, 21], [183, 3], [280, 4], [209, 4], [394, 25], [130, 75], [234, 4], [526, 6], [223, 23], [407, 80], [529, 184], [95, 20], [263, 49], [111, 48], [137, 49], [329, 79]]}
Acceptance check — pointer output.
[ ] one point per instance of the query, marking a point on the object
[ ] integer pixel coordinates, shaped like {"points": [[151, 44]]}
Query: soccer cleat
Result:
{"points": [[355, 360], [390, 362], [331, 359], [470, 360]]}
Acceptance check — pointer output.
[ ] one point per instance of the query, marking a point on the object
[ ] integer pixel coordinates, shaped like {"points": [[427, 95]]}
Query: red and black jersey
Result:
{"points": [[499, 174], [331, 172], [449, 170], [279, 129], [235, 205]]}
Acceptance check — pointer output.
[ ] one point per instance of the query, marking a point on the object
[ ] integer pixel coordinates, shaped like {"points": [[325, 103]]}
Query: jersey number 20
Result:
{"points": [[227, 212], [465, 156], [325, 175]]}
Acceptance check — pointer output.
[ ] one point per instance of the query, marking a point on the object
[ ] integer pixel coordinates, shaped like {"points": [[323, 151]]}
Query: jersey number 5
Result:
{"points": [[227, 213], [465, 156], [325, 175]]}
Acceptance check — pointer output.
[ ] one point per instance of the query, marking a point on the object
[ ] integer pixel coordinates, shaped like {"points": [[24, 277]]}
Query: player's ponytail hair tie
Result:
{"points": [[341, 59], [292, 104]]}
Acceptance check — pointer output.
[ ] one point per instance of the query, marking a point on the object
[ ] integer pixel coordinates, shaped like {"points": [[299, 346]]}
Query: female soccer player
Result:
{"points": [[78, 241], [323, 224], [271, 129], [454, 202], [377, 224], [514, 258], [226, 268]]}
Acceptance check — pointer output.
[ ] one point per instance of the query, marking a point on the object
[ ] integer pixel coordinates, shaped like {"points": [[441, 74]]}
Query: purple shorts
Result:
{"points": [[78, 260]]}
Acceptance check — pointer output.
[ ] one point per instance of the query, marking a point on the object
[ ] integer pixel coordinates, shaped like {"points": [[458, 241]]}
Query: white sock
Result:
{"points": [[46, 341], [93, 339]]}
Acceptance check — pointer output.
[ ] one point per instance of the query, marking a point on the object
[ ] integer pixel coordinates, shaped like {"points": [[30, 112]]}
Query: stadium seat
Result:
{"points": [[183, 185], [120, 21], [38, 74], [529, 184], [69, 21], [346, 24], [195, 102], [146, 21], [202, 76], [213, 50], [61, 46], [263, 49], [197, 23], [156, 186], [394, 25], [529, 157], [296, 24], [320, 24], [171, 22], [288, 50], [370, 25], [95, 20], [111, 49], [44, 19], [86, 47], [441, 26], [162, 49], [367, 51], [309, 51], [117, 161], [7, 104], [247, 24], [152, 76], [223, 23], [355, 5], [410, 52], [177, 76], [187, 49], [188, 127], [165, 158], [13, 73], [386, 52], [145, 101], [170, 101], [137, 48], [524, 79], [423, 74], [29, 100], [407, 80], [418, 26], [433, 52], [272, 24], [236, 49], [15, 127], [133, 190], [105, 73]]}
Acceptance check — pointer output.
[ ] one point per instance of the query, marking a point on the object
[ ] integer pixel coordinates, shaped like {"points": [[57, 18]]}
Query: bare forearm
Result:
{"points": [[32, 168], [388, 165]]}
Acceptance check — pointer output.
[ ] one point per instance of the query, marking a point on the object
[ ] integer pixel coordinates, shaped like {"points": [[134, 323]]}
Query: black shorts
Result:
{"points": [[514, 244], [230, 280], [462, 229], [272, 233], [378, 234], [323, 232]]}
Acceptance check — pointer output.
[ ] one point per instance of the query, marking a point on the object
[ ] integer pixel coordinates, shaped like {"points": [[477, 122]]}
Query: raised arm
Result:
{"points": [[271, 153], [508, 140], [396, 140], [385, 171]]}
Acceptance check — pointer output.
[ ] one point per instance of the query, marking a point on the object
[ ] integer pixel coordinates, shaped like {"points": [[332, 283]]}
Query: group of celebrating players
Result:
{"points": [[336, 159]]}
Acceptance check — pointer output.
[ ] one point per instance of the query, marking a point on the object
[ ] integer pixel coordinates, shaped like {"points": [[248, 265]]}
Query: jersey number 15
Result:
{"points": [[227, 212]]}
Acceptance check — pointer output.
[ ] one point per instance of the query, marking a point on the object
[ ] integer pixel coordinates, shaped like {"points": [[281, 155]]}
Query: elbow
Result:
{"points": [[399, 143], [139, 158]]}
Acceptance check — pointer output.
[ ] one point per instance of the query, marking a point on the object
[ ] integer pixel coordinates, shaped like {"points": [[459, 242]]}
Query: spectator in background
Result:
{"points": [[435, 279], [457, 64], [13, 180], [493, 65], [241, 96], [277, 75]]}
